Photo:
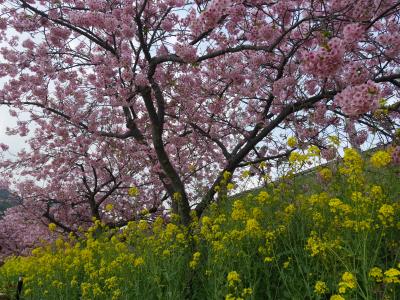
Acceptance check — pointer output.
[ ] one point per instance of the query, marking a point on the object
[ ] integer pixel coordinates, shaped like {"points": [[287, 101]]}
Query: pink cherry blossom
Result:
{"points": [[359, 99], [129, 104]]}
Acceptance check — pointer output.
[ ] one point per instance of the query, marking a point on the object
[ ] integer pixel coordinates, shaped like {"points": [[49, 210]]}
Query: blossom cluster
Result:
{"points": [[325, 61], [284, 88], [210, 16], [355, 73], [187, 52], [390, 43], [352, 32], [359, 99]]}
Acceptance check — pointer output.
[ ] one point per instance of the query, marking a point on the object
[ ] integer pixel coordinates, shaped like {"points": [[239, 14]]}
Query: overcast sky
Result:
{"points": [[16, 143]]}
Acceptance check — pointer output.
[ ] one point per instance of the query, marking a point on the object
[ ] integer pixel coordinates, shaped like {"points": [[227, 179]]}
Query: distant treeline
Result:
{"points": [[7, 200]]}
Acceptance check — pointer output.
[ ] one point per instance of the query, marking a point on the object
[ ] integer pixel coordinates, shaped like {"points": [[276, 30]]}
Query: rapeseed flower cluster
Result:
{"points": [[348, 282], [233, 278], [292, 142], [386, 214], [352, 166], [340, 237], [376, 274], [195, 261], [320, 288], [326, 174], [52, 226], [336, 297], [380, 159], [392, 276]]}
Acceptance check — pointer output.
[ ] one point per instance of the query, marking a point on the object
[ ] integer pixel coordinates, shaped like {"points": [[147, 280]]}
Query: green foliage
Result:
{"points": [[330, 234]]}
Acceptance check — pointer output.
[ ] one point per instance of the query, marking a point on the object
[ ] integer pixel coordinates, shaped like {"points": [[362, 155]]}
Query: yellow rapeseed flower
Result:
{"points": [[206, 221], [252, 226], [336, 297], [227, 175], [386, 214], [380, 159], [138, 261], [27, 292], [111, 283], [238, 211], [233, 278], [247, 292], [180, 237], [334, 140], [57, 284], [230, 186], [315, 245], [296, 157], [348, 282], [133, 191], [116, 294], [143, 225], [268, 259], [313, 151], [97, 292], [195, 260], [245, 174], [109, 207], [217, 246], [287, 263], [59, 243], [376, 273], [257, 213], [74, 282], [289, 210], [230, 297], [85, 289], [392, 276], [376, 192], [352, 166], [262, 197], [336, 205], [320, 288], [326, 174], [52, 226], [292, 142]]}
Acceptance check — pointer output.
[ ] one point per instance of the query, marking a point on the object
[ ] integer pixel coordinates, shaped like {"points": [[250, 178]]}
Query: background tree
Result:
{"points": [[166, 97]]}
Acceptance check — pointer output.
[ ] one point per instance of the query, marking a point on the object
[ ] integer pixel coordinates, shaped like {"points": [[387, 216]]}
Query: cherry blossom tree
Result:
{"points": [[134, 104]]}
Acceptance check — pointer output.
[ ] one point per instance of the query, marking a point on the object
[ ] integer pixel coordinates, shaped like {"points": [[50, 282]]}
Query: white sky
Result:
{"points": [[16, 143]]}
